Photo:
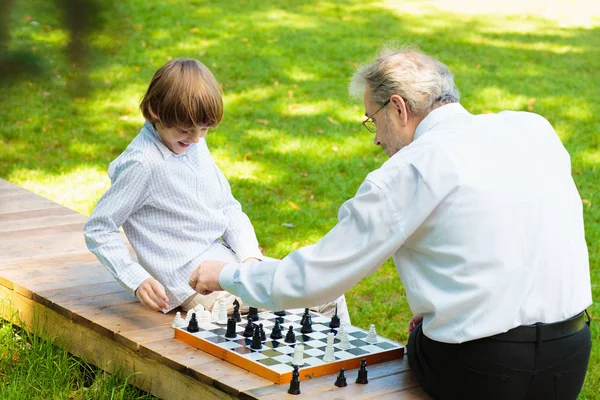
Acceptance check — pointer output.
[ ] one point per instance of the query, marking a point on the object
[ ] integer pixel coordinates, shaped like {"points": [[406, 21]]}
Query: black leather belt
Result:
{"points": [[541, 332]]}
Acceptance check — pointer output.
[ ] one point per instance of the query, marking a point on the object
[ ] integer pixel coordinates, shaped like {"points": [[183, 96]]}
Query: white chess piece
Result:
{"points": [[329, 357], [344, 340], [298, 355], [222, 311], [188, 316], [178, 322], [372, 335], [206, 317], [199, 309]]}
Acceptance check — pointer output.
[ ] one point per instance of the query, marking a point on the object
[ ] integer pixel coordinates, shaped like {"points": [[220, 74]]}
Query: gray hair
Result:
{"points": [[422, 81]]}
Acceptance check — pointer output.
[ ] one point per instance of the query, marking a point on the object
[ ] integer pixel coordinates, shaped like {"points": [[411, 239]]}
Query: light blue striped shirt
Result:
{"points": [[173, 208]]}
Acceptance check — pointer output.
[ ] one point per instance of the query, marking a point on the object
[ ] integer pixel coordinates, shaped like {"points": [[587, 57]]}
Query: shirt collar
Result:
{"points": [[152, 133], [438, 115]]}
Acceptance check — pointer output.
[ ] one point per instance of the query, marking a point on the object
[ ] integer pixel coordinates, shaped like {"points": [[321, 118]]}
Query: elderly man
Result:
{"points": [[484, 223]]}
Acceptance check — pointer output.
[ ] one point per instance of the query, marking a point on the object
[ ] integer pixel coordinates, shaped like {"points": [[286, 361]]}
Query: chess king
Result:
{"points": [[484, 223]]}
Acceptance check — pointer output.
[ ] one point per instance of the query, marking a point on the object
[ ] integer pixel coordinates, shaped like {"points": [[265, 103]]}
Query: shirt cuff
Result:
{"points": [[247, 253], [228, 277]]}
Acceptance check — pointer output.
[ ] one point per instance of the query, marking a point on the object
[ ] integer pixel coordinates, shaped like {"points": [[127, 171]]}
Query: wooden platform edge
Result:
{"points": [[101, 351]]}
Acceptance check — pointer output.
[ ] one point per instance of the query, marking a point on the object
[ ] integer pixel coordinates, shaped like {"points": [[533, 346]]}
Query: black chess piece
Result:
{"points": [[290, 337], [305, 316], [256, 342], [252, 314], [362, 373], [261, 330], [335, 320], [307, 326], [231, 325], [249, 331], [276, 331], [295, 382], [236, 311], [280, 313], [341, 379], [193, 324]]}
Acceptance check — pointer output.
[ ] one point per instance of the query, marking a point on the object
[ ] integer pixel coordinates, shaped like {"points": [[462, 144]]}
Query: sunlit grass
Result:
{"points": [[291, 142]]}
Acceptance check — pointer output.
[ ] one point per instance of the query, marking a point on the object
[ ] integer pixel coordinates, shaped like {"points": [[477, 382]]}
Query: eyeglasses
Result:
{"points": [[368, 122]]}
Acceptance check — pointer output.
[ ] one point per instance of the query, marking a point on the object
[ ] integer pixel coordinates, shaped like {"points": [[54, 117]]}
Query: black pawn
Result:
{"points": [[276, 332], [249, 331], [230, 328], [305, 316], [341, 379], [193, 325], [362, 373], [256, 344], [335, 320], [236, 311], [280, 313], [253, 314], [307, 326], [261, 330], [295, 382], [290, 337]]}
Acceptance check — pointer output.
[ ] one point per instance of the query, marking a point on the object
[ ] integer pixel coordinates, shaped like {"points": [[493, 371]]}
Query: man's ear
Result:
{"points": [[400, 108]]}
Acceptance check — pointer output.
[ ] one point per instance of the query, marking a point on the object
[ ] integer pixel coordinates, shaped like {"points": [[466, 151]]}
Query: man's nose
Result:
{"points": [[376, 141]]}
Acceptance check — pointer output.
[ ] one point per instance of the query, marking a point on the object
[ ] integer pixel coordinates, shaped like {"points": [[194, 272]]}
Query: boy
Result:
{"points": [[173, 202]]}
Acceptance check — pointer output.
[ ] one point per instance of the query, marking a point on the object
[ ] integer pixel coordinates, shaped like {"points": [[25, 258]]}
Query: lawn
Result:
{"points": [[291, 142]]}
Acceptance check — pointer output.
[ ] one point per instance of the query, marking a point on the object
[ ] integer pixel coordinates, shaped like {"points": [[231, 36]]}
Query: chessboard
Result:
{"points": [[274, 360]]}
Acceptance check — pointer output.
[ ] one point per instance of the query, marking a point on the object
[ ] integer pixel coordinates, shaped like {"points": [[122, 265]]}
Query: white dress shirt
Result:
{"points": [[481, 216], [173, 208]]}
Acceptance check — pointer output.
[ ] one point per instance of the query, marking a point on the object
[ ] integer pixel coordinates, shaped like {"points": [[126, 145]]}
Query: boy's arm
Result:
{"points": [[240, 233], [102, 234]]}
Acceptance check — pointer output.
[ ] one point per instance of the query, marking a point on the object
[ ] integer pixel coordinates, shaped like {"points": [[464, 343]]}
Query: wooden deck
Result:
{"points": [[53, 284]]}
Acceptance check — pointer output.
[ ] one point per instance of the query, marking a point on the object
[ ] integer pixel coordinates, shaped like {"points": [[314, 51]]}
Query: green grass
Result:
{"points": [[291, 135]]}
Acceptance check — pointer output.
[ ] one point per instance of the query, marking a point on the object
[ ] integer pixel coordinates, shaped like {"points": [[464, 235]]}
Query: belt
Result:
{"points": [[541, 332]]}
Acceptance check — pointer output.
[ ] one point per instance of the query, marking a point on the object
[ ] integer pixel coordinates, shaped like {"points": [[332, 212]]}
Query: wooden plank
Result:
{"points": [[77, 292], [25, 202], [38, 248], [416, 393], [31, 228], [133, 339], [36, 214], [105, 353]]}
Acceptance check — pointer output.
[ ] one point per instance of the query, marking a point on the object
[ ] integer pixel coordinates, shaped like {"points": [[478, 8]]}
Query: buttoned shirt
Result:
{"points": [[481, 217], [174, 210]]}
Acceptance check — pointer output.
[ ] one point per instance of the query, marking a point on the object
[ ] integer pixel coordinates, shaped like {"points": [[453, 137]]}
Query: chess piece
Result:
{"points": [[249, 331], [222, 311], [295, 382], [193, 325], [256, 343], [335, 320], [341, 379], [290, 337], [261, 330], [362, 373], [199, 309], [206, 317], [252, 314], [231, 325], [178, 322], [276, 331], [280, 313], [188, 316], [305, 316], [298, 355], [307, 326], [342, 335], [329, 357], [372, 335], [236, 311]]}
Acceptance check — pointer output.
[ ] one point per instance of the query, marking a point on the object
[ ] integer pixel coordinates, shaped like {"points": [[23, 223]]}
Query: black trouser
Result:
{"points": [[491, 368]]}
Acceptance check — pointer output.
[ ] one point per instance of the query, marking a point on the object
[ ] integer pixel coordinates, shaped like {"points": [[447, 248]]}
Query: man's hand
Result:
{"points": [[205, 279], [414, 321], [250, 259], [151, 293]]}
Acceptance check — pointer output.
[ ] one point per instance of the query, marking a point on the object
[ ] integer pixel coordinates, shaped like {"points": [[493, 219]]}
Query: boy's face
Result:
{"points": [[179, 139]]}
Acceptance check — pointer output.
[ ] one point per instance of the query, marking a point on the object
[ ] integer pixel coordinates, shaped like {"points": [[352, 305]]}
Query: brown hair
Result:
{"points": [[183, 93]]}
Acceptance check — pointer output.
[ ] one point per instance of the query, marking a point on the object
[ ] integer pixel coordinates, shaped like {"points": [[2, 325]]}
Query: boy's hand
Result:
{"points": [[151, 293], [205, 279]]}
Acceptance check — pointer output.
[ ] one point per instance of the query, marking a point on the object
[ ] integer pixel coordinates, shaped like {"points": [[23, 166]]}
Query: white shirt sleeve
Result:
{"points": [[240, 235], [363, 239], [102, 235]]}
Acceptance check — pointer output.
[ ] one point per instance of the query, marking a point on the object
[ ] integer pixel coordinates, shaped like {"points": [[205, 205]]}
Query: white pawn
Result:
{"points": [[222, 311], [199, 309], [178, 322], [372, 335], [329, 357], [206, 317], [344, 340], [188, 316], [298, 355]]}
